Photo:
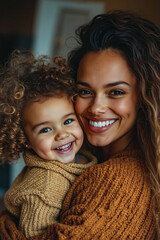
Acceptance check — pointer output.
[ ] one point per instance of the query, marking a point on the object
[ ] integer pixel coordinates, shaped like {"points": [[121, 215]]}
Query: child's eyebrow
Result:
{"points": [[39, 124], [69, 114], [47, 122]]}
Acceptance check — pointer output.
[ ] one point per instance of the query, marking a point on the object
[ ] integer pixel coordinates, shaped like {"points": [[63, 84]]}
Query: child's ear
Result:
{"points": [[28, 145]]}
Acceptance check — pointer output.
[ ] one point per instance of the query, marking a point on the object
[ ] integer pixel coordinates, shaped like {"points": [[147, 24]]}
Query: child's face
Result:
{"points": [[52, 129]]}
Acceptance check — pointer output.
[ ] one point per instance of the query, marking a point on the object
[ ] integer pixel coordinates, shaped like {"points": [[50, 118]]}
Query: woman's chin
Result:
{"points": [[97, 142]]}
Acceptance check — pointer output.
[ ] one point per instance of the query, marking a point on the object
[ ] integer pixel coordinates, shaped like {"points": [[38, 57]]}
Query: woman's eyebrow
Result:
{"points": [[83, 83], [117, 83], [106, 85]]}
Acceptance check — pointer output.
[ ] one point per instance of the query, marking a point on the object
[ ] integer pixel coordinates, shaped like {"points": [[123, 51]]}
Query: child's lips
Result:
{"points": [[64, 148]]}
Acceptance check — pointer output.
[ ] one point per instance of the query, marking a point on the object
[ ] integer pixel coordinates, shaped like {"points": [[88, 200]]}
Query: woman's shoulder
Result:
{"points": [[118, 188], [125, 169], [128, 158], [116, 168]]}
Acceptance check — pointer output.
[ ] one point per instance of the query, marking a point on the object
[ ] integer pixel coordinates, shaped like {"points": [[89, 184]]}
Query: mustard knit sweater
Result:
{"points": [[109, 201], [36, 195]]}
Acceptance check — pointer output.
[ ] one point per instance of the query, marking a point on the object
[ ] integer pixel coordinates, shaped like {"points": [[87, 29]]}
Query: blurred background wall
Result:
{"points": [[20, 28], [17, 19]]}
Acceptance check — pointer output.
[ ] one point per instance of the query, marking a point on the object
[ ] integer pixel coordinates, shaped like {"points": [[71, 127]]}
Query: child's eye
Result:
{"points": [[45, 130], [116, 93], [84, 93], [68, 121]]}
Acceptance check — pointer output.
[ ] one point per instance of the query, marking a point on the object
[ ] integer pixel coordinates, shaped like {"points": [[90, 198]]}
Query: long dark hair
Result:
{"points": [[139, 40]]}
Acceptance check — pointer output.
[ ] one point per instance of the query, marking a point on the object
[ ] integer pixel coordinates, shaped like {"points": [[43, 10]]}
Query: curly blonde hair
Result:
{"points": [[23, 80]]}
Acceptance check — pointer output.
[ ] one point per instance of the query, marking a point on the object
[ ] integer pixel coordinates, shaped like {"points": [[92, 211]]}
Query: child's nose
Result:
{"points": [[61, 135]]}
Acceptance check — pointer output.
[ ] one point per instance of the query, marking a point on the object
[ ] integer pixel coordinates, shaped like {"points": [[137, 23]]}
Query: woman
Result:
{"points": [[118, 80]]}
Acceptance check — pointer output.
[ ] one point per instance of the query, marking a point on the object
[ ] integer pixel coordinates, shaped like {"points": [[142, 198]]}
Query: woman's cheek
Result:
{"points": [[121, 107], [80, 105]]}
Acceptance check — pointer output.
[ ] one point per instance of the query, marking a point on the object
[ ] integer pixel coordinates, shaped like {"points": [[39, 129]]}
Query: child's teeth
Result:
{"points": [[65, 147]]}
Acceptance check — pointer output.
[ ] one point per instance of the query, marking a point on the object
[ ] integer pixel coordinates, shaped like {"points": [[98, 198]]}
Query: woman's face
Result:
{"points": [[107, 103]]}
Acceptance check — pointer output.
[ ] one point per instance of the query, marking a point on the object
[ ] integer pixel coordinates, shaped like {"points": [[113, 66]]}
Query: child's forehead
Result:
{"points": [[48, 101], [60, 103], [59, 99], [48, 109]]}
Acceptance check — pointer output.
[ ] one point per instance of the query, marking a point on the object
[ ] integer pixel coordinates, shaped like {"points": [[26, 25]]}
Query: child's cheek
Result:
{"points": [[45, 144]]}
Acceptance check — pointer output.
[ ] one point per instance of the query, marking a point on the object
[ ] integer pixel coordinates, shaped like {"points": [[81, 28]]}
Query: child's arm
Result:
{"points": [[36, 216], [35, 197]]}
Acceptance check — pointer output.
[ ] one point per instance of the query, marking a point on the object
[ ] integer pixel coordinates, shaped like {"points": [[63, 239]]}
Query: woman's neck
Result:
{"points": [[126, 142]]}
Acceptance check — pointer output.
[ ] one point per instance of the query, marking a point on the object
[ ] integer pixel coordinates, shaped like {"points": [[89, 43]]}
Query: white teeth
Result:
{"points": [[101, 124], [65, 147]]}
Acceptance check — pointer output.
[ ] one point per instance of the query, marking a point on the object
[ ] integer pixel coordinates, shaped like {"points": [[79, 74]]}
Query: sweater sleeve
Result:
{"points": [[37, 200], [108, 201], [36, 216]]}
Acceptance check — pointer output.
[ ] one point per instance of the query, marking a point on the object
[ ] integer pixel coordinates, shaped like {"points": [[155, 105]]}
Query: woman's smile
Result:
{"points": [[100, 125]]}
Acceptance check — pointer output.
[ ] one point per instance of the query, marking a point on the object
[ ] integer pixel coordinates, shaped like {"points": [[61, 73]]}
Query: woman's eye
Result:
{"points": [[68, 121], [84, 93], [116, 93], [45, 130]]}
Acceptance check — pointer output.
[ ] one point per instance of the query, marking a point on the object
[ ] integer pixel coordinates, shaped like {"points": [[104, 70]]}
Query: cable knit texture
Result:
{"points": [[36, 195], [112, 200]]}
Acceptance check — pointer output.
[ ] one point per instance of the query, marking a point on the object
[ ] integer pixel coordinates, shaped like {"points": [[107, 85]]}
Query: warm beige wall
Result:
{"points": [[17, 16], [147, 8]]}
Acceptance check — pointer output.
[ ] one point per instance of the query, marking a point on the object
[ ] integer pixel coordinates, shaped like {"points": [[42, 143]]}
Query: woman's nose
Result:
{"points": [[98, 106], [61, 134]]}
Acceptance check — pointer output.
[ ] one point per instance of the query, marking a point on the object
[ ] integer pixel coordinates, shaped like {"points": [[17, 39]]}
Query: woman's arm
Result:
{"points": [[8, 227]]}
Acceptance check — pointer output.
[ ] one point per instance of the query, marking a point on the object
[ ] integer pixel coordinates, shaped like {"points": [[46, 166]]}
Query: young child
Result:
{"points": [[37, 118]]}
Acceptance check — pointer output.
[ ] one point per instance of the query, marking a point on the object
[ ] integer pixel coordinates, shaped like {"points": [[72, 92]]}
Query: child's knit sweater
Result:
{"points": [[36, 195], [109, 201]]}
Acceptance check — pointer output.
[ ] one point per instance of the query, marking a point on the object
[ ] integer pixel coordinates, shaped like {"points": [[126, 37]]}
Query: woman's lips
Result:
{"points": [[64, 148], [99, 126]]}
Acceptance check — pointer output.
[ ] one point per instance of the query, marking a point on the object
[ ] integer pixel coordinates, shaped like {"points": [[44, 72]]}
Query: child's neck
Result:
{"points": [[82, 160]]}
